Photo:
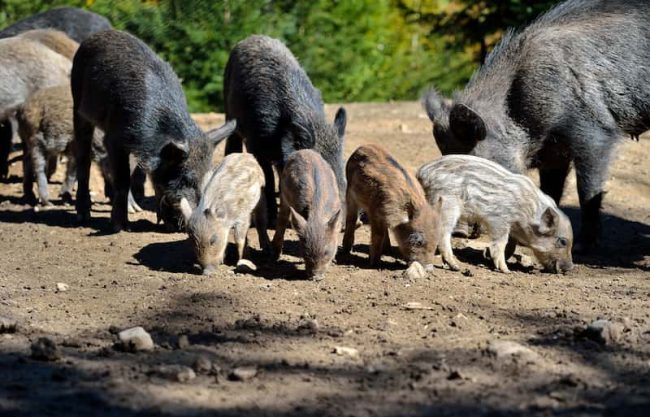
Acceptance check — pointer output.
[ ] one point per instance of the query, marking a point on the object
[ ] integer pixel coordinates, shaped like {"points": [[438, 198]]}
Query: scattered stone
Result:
{"points": [[309, 326], [8, 325], [604, 332], [176, 373], [244, 266], [202, 365], [183, 342], [455, 375], [62, 287], [468, 273], [414, 305], [509, 350], [135, 339], [346, 351], [415, 272], [44, 349], [243, 373]]}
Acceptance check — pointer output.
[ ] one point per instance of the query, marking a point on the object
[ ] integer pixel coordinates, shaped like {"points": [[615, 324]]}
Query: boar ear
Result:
{"points": [[174, 152], [331, 224], [548, 223], [215, 136], [186, 209], [466, 124], [298, 222], [435, 105], [340, 121]]}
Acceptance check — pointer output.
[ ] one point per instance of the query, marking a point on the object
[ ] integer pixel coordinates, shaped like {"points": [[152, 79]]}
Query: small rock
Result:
{"points": [[346, 351], [243, 373], [415, 272], [506, 349], [44, 349], [62, 287], [135, 339], [8, 325], [467, 273], [176, 373], [202, 365], [309, 326], [454, 375], [244, 266], [604, 332], [183, 342], [414, 305]]}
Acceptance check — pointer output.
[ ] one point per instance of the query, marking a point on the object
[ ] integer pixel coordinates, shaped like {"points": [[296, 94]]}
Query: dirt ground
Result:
{"points": [[361, 342]]}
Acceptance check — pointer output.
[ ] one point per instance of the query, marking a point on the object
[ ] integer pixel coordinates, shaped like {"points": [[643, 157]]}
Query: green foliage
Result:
{"points": [[353, 50]]}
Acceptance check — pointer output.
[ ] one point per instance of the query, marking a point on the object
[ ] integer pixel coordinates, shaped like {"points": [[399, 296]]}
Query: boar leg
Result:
{"points": [[28, 173], [83, 137], [551, 180], [351, 217], [241, 230], [450, 213], [121, 186], [39, 165], [499, 241], [234, 144], [6, 135], [70, 178], [269, 192], [259, 216], [378, 232], [283, 221]]}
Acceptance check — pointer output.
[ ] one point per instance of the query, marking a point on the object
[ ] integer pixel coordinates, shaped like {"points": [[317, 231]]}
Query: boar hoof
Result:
{"points": [[66, 198], [415, 271]]}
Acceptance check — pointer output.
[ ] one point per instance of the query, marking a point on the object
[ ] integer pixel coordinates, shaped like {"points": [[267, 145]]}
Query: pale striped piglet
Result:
{"points": [[310, 200], [508, 206], [232, 193]]}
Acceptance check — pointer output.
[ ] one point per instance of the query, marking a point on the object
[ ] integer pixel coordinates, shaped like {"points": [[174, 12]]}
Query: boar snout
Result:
{"points": [[209, 269]]}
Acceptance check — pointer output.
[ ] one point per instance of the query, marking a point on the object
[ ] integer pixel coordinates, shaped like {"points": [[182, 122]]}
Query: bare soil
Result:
{"points": [[424, 347]]}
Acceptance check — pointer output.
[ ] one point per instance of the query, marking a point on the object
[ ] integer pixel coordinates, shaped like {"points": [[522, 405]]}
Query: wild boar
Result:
{"points": [[476, 190], [77, 23], [393, 200], [565, 89], [278, 111], [231, 194], [45, 127], [120, 86], [26, 66], [57, 41], [309, 199]]}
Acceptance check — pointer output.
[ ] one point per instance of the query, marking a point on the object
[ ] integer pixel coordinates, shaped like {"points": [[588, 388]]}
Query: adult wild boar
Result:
{"points": [[120, 86], [26, 66], [562, 90], [278, 111]]}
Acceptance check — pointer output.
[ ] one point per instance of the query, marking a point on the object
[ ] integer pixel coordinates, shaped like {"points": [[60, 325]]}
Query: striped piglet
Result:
{"points": [[475, 190], [231, 193], [310, 200]]}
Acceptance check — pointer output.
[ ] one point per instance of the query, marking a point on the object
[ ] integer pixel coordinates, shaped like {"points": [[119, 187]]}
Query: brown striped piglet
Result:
{"points": [[310, 199], [393, 200], [231, 193], [508, 206]]}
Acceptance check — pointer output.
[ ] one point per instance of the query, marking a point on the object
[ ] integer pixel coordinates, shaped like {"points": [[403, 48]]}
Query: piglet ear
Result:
{"points": [[466, 124], [331, 224], [298, 222], [340, 121], [215, 136], [548, 223], [186, 209], [174, 152]]}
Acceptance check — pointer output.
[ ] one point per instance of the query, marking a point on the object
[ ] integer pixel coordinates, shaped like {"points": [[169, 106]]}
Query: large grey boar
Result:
{"points": [[26, 66], [78, 24], [278, 111], [508, 206], [120, 86], [231, 195], [563, 90], [309, 199], [394, 201]]}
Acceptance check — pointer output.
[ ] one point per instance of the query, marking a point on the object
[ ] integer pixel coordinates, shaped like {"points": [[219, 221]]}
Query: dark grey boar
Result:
{"points": [[278, 111], [26, 66], [231, 195], [562, 90], [78, 24], [120, 86], [309, 198]]}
